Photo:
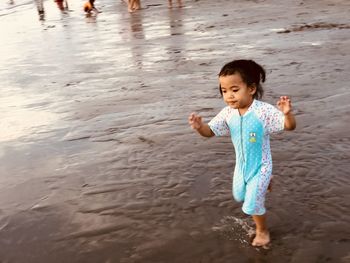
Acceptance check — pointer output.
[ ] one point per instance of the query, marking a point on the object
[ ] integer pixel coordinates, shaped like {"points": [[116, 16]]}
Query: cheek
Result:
{"points": [[225, 96]]}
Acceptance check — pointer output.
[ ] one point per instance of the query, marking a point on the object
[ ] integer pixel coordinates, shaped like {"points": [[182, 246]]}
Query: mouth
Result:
{"points": [[232, 103]]}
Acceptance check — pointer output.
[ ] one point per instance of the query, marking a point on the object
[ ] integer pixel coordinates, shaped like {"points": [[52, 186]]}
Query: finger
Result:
{"points": [[192, 116]]}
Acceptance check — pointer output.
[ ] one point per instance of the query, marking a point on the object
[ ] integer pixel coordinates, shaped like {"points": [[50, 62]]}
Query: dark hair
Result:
{"points": [[251, 73]]}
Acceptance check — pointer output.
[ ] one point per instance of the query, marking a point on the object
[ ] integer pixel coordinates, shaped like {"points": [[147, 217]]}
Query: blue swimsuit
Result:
{"points": [[251, 140]]}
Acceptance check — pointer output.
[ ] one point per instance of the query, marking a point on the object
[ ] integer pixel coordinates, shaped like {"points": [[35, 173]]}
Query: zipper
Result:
{"points": [[242, 139]]}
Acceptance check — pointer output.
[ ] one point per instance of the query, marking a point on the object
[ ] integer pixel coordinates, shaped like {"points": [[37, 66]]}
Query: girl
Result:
{"points": [[249, 122]]}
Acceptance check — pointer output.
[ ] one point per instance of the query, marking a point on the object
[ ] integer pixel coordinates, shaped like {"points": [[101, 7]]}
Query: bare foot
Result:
{"points": [[262, 238]]}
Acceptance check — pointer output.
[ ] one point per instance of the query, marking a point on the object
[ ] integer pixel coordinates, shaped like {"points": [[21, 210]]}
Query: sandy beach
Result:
{"points": [[98, 162]]}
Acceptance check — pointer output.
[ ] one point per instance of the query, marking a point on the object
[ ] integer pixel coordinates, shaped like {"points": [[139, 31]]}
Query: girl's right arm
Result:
{"points": [[202, 128]]}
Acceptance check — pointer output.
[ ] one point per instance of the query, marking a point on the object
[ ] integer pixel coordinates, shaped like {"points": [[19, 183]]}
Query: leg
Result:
{"points": [[40, 6], [254, 204], [137, 5], [262, 236], [131, 4], [238, 187]]}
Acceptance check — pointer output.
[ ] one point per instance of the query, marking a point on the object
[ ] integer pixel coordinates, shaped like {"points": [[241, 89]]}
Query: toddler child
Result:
{"points": [[89, 6], [249, 122]]}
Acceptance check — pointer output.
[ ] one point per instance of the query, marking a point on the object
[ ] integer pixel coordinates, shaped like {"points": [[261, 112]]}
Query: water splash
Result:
{"points": [[235, 229]]}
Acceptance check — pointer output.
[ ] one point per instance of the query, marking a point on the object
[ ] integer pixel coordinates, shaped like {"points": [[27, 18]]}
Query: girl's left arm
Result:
{"points": [[285, 105], [289, 121]]}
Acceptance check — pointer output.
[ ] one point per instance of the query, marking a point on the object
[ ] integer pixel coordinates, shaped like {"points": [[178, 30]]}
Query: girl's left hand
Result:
{"points": [[284, 104]]}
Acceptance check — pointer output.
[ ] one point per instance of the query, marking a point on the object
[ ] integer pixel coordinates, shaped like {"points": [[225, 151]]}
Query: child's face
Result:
{"points": [[236, 93]]}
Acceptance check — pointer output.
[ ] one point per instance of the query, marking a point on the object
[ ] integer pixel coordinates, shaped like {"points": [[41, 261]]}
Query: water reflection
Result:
{"points": [[22, 121], [175, 22], [137, 33], [90, 17], [136, 26], [176, 32], [179, 3]]}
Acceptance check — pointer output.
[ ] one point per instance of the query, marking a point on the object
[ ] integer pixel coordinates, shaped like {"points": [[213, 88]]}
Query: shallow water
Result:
{"points": [[98, 164]]}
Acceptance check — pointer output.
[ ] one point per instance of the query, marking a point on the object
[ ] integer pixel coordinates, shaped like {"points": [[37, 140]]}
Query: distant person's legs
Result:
{"points": [[40, 7], [134, 5], [60, 4], [137, 5], [131, 4]]}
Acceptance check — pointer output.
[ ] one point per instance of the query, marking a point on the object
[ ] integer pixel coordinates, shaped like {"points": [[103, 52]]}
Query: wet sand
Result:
{"points": [[98, 163]]}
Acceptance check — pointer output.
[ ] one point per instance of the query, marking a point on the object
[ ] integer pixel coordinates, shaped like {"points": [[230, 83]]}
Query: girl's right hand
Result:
{"points": [[195, 121]]}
